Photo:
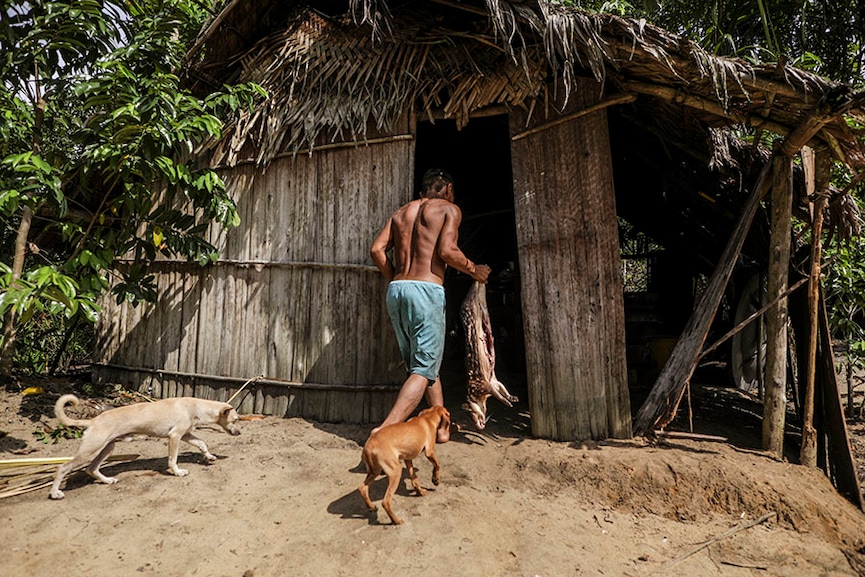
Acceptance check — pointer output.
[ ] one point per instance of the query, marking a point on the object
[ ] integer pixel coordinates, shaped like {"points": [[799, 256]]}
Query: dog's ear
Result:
{"points": [[445, 419], [226, 410]]}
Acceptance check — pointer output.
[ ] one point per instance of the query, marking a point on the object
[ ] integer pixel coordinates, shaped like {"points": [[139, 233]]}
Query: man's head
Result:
{"points": [[437, 183]]}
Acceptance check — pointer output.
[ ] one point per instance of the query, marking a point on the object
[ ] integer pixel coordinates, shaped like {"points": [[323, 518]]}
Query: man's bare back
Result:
{"points": [[423, 235]]}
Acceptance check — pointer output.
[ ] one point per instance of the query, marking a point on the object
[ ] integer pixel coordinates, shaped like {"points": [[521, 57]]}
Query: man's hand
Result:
{"points": [[482, 273]]}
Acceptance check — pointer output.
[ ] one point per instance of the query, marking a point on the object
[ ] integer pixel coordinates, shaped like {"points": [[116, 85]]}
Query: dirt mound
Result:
{"points": [[691, 481]]}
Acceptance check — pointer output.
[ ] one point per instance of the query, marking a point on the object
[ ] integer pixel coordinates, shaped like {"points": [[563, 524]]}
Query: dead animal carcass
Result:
{"points": [[480, 356]]}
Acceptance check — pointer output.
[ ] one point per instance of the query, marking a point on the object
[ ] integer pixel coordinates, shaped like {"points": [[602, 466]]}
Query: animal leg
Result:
{"points": [[412, 474], [501, 392], [62, 472], [394, 474], [372, 472], [200, 445], [173, 450], [363, 489], [91, 450], [431, 457], [95, 464]]}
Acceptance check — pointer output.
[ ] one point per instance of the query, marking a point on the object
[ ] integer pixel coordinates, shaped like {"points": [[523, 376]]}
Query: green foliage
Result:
{"points": [[52, 343], [98, 137], [844, 284], [53, 435], [821, 35]]}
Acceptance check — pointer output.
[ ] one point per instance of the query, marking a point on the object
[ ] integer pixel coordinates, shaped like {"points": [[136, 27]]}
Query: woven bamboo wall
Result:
{"points": [[571, 287], [294, 297]]}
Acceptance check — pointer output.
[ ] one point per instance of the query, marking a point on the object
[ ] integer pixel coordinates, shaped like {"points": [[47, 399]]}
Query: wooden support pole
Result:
{"points": [[808, 453], [775, 399]]}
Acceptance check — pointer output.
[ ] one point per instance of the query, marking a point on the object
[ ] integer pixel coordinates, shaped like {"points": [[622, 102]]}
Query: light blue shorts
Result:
{"points": [[417, 311]]}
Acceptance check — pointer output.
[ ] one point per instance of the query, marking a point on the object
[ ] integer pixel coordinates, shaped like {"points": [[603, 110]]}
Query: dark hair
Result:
{"points": [[434, 180]]}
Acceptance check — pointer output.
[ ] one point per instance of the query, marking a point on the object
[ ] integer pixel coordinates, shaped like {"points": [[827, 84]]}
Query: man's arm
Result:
{"points": [[378, 251], [450, 252]]}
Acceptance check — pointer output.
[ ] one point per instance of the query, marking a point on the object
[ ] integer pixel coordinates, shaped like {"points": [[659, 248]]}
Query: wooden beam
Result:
{"points": [[620, 99], [841, 466]]}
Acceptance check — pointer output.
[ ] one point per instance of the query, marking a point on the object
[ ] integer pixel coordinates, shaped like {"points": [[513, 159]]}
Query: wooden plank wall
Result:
{"points": [[295, 296], [567, 237]]}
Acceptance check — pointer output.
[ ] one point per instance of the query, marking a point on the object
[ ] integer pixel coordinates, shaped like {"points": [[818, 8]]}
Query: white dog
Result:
{"points": [[173, 418]]}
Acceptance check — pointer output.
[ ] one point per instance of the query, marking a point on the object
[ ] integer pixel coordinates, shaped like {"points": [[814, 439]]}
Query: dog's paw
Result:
{"points": [[210, 458], [180, 472], [435, 480], [109, 480], [56, 495]]}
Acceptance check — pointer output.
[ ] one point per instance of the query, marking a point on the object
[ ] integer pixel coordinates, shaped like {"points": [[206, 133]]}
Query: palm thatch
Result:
{"points": [[335, 71]]}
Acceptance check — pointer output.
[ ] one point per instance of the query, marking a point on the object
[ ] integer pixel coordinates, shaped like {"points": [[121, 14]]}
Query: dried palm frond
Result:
{"points": [[336, 77]]}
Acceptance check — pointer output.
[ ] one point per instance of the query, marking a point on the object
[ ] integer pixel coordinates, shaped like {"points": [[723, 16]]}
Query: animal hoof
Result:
{"points": [[56, 495]]}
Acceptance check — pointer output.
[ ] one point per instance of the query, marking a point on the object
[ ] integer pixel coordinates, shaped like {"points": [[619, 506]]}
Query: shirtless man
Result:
{"points": [[423, 236]]}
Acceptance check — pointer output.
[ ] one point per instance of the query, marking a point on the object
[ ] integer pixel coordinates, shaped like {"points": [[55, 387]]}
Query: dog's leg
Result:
{"points": [[394, 475], [431, 456], [200, 445], [95, 464], [62, 472], [413, 476], [363, 489], [90, 451], [173, 450]]}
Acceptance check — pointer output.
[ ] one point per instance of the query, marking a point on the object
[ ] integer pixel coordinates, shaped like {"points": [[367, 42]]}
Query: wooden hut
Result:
{"points": [[554, 122]]}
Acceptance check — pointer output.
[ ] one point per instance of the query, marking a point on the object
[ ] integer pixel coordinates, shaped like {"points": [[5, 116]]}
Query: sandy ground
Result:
{"points": [[282, 500]]}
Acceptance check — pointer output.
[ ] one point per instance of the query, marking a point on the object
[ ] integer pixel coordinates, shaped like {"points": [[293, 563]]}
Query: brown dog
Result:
{"points": [[387, 447], [173, 418]]}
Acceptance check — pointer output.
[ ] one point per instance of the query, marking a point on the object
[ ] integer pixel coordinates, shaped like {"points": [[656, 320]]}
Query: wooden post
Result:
{"points": [[808, 454], [570, 275], [775, 400]]}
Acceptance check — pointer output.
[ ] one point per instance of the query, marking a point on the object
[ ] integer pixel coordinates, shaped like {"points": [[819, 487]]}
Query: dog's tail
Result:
{"points": [[60, 413]]}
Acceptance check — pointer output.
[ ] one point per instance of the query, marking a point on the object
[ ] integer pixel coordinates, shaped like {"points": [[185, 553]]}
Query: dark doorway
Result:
{"points": [[479, 158]]}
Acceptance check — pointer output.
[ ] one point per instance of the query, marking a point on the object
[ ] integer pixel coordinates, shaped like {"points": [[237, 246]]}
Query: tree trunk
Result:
{"points": [[9, 321]]}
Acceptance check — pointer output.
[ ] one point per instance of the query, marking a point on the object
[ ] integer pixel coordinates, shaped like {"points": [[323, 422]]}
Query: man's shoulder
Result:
{"points": [[441, 204]]}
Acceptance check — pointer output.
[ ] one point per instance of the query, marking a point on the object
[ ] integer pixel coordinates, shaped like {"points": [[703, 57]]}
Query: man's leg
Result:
{"points": [[412, 391], [435, 398]]}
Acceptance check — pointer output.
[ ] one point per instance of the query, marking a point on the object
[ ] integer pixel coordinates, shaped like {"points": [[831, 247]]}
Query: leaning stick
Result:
{"points": [[714, 540], [243, 386]]}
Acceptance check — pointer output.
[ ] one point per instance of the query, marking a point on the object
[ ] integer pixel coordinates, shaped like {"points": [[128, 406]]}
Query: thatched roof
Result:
{"points": [[334, 71]]}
